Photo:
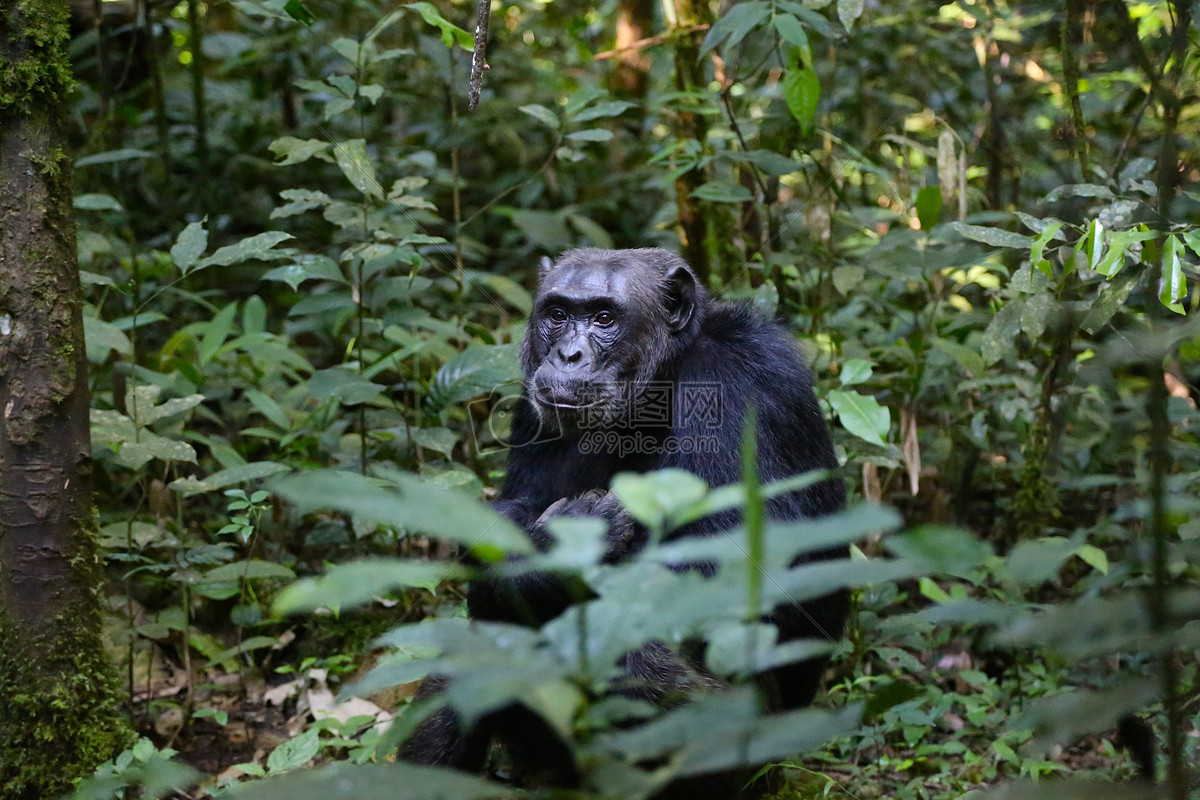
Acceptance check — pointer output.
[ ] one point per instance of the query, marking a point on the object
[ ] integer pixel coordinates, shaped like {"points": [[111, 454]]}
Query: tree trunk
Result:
{"points": [[689, 75], [60, 716]]}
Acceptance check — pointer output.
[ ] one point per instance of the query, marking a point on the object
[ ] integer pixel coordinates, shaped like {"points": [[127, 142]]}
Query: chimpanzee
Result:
{"points": [[629, 366]]}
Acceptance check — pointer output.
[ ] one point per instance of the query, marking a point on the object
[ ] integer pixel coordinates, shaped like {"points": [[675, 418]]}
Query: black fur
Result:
{"points": [[664, 332]]}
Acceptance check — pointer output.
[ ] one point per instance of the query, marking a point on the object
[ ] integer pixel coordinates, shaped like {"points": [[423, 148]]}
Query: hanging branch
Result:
{"points": [[479, 63]]}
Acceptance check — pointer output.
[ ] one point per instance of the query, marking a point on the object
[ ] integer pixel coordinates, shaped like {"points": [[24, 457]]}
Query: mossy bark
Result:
{"points": [[60, 717]]}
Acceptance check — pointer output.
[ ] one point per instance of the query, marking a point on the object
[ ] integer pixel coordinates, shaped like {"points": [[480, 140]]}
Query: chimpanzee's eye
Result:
{"points": [[604, 318], [556, 315]]}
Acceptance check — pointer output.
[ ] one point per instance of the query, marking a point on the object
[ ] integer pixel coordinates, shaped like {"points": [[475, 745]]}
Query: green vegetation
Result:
{"points": [[307, 267]]}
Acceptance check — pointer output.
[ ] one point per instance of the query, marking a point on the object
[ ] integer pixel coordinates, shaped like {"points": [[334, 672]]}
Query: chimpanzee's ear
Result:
{"points": [[681, 297], [544, 266]]}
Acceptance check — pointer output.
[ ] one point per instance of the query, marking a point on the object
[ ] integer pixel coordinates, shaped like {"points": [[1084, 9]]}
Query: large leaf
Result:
{"points": [[802, 92], [417, 505], [861, 415], [349, 585]]}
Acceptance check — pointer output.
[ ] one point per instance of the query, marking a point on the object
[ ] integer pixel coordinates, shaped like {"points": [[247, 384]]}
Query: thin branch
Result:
{"points": [[649, 41], [479, 63]]}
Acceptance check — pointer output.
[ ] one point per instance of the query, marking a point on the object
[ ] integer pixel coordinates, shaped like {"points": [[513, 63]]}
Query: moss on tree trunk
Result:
{"points": [[60, 716]]}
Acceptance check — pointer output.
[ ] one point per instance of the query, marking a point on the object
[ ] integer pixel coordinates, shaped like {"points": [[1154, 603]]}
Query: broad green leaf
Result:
{"points": [[451, 33], [299, 201], [802, 92], [241, 473], [993, 236], [940, 549], [216, 331], [113, 156], [307, 267], [190, 245], [270, 409], [591, 135], [861, 415], [96, 202], [541, 114], [357, 166], [1000, 337], [792, 32], [1079, 190], [658, 496], [294, 753], [102, 338], [735, 23], [295, 150], [966, 357], [150, 446], [259, 247], [399, 781], [1112, 298], [477, 371], [612, 108], [723, 192], [248, 570], [929, 206], [354, 584], [1039, 245], [848, 11], [855, 371], [1172, 287], [417, 506], [299, 12]]}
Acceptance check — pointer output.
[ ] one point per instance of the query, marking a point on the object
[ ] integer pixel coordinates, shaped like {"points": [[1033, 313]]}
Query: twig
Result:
{"points": [[479, 63], [649, 41]]}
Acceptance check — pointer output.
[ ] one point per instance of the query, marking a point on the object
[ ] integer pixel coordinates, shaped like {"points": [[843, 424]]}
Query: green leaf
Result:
{"points": [[451, 33], [541, 114], [723, 192], [855, 371], [102, 338], [295, 150], [848, 11], [359, 582], [733, 26], [591, 135], [1000, 336], [295, 753], [612, 108], [802, 92], [417, 506], [254, 248], [792, 32], [307, 267], [1039, 245], [96, 202], [112, 156], [929, 206], [477, 371], [189, 246], [398, 781], [993, 236], [267, 406], [861, 415], [299, 12], [241, 473], [248, 570], [966, 357], [1172, 287], [357, 166]]}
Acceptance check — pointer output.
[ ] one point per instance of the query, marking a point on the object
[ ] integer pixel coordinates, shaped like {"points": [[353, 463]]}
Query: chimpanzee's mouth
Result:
{"points": [[566, 399]]}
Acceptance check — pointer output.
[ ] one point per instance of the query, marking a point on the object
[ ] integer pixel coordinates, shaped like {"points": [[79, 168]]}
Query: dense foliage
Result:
{"points": [[308, 265]]}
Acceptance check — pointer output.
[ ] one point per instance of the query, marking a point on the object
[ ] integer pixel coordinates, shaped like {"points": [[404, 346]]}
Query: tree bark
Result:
{"points": [[689, 75], [60, 718]]}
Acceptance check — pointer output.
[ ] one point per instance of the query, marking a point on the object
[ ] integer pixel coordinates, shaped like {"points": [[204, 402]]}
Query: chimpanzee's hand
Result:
{"points": [[624, 536]]}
